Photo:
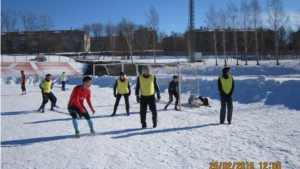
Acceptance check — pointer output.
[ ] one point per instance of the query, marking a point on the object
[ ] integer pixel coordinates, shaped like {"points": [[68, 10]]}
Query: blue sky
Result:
{"points": [[173, 14]]}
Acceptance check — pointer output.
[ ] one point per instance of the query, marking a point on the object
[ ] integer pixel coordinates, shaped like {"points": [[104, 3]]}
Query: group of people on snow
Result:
{"points": [[146, 86]]}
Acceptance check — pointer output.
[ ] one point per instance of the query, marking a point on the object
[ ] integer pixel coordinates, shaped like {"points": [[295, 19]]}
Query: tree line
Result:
{"points": [[124, 36]]}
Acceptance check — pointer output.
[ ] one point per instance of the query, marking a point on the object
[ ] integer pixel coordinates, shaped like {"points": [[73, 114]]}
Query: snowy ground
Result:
{"points": [[265, 125]]}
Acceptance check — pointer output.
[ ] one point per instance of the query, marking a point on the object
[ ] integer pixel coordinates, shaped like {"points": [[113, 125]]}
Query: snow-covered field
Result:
{"points": [[265, 125]]}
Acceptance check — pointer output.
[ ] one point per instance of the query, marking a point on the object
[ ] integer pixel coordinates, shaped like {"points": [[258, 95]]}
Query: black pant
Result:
{"points": [[176, 95], [23, 87], [144, 102], [74, 111], [63, 83], [118, 100], [226, 100], [49, 96]]}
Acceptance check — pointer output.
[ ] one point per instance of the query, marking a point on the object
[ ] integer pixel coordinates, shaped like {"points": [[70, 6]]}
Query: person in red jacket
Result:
{"points": [[76, 106], [23, 82]]}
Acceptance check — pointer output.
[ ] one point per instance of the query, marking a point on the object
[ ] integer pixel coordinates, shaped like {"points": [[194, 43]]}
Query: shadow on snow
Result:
{"points": [[154, 131]]}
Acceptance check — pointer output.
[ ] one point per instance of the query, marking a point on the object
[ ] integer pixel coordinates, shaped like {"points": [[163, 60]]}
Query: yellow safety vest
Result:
{"points": [[226, 84], [47, 86], [147, 85], [122, 86]]}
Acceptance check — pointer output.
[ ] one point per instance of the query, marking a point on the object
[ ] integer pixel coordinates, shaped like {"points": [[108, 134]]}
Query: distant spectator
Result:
{"points": [[64, 79], [23, 82], [226, 88]]}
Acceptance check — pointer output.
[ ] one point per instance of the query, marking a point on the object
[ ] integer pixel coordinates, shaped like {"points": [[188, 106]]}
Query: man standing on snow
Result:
{"points": [[23, 82], [146, 84], [173, 91], [226, 88], [122, 83], [46, 86], [76, 106], [64, 79]]}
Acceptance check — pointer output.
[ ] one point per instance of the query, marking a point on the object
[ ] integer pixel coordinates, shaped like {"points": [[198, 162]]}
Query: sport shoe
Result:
{"points": [[77, 135], [43, 111], [92, 132], [176, 109], [52, 110], [154, 125], [144, 126]]}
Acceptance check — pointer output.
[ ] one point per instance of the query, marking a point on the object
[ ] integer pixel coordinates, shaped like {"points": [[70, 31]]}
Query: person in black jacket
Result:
{"points": [[122, 83], [173, 91], [147, 85], [226, 88]]}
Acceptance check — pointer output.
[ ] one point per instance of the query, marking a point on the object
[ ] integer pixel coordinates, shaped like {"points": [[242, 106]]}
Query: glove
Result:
{"points": [[170, 98], [138, 99], [115, 94], [158, 96]]}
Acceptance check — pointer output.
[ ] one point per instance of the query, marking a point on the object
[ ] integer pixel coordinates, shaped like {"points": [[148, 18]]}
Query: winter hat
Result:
{"points": [[122, 73], [146, 67], [225, 70], [175, 76], [86, 78]]}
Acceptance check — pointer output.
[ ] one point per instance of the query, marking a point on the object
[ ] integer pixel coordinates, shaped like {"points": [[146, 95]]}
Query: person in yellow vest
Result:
{"points": [[146, 85], [226, 88], [46, 86], [123, 88]]}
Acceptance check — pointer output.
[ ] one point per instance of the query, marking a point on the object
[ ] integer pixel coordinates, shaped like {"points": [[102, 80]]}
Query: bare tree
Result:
{"points": [[98, 43], [232, 13], [45, 22], [213, 23], [110, 30], [256, 11], [223, 25], [30, 21], [96, 29], [276, 18], [9, 19], [245, 21], [128, 29], [139, 37], [152, 23], [86, 28]]}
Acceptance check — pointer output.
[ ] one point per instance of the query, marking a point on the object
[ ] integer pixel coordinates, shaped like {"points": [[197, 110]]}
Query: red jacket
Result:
{"points": [[78, 95], [23, 79]]}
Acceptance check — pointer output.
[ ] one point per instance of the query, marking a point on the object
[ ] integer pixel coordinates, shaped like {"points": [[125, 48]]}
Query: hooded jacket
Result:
{"points": [[225, 76]]}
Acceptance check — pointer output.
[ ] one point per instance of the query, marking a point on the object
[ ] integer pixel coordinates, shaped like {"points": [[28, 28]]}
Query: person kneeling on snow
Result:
{"points": [[173, 91]]}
